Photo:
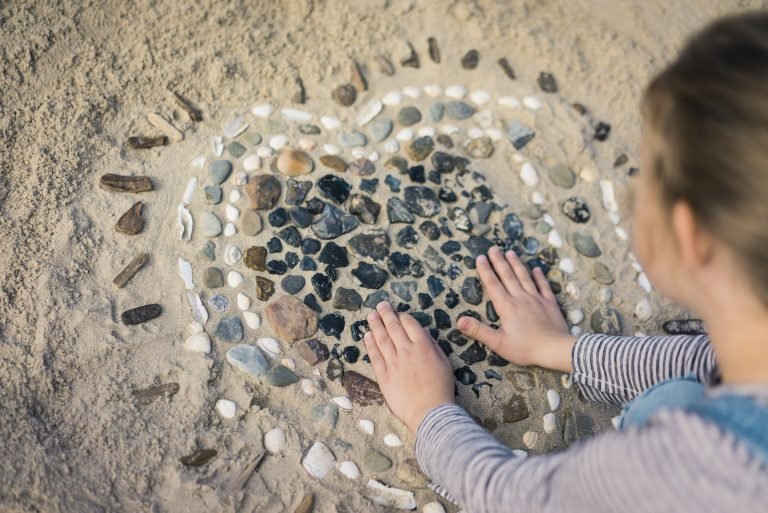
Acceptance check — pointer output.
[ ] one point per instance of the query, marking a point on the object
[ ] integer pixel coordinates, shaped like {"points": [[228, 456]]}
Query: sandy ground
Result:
{"points": [[77, 80]]}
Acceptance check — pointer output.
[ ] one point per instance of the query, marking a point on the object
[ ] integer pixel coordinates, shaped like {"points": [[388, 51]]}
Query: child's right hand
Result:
{"points": [[532, 331]]}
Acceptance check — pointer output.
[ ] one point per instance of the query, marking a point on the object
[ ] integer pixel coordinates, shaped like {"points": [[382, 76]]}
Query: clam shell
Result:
{"points": [[262, 110], [199, 313], [384, 495], [235, 127], [232, 212], [532, 102], [234, 279], [226, 408], [185, 271], [370, 111], [189, 191], [269, 345], [232, 254], [229, 230], [457, 92], [234, 197], [529, 175], [553, 398], [549, 423], [243, 301], [185, 223], [274, 441], [308, 386], [530, 438], [318, 461], [566, 380], [575, 315], [392, 440], [252, 163], [343, 402], [366, 426], [433, 507], [252, 319], [349, 469], [566, 265], [198, 343], [643, 309], [330, 122]]}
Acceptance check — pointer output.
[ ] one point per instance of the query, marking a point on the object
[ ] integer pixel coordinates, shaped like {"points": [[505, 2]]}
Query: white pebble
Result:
{"points": [[642, 280], [433, 507], [218, 145], [566, 265], [366, 426], [198, 343], [621, 233], [475, 132], [549, 423], [427, 131], [231, 212], [519, 453], [604, 295], [555, 240], [307, 386], [252, 319], [609, 200], [480, 97], [234, 279], [530, 438], [349, 469], [374, 156], [433, 90], [588, 174], [549, 219], [300, 116], [370, 111], [572, 290], [330, 122], [232, 254], [518, 158], [234, 197], [289, 362], [358, 153], [198, 162], [510, 102], [643, 309], [343, 402], [270, 346], [278, 141], [241, 178], [252, 163], [392, 98], [616, 421], [185, 271], [404, 135], [274, 441], [614, 217], [575, 315], [307, 144], [575, 331], [235, 127], [529, 175], [411, 91], [243, 301], [456, 92], [189, 191], [495, 134], [264, 152], [262, 110], [391, 146], [199, 313], [227, 408], [566, 380], [537, 198], [392, 440], [553, 398], [449, 129], [331, 149], [532, 102]]}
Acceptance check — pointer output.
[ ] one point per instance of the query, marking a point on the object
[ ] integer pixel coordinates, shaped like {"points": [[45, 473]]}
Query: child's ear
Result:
{"points": [[694, 243]]}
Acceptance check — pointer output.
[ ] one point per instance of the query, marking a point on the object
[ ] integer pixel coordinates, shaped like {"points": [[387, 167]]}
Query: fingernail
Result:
{"points": [[482, 259], [382, 305], [512, 254]]}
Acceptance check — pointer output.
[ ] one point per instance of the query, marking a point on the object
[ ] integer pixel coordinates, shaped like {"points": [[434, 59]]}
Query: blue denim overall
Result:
{"points": [[738, 414]]}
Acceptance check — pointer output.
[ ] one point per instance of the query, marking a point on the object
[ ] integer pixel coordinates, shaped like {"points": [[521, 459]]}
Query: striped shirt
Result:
{"points": [[677, 463]]}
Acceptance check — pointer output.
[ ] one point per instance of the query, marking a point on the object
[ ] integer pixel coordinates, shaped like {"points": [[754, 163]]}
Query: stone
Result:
{"points": [[474, 354], [332, 325], [408, 116], [335, 369], [518, 134], [562, 176], [407, 237], [586, 245], [296, 191], [219, 171], [293, 284], [198, 458], [577, 427], [465, 375], [376, 462], [210, 225], [478, 246], [420, 148], [213, 194], [334, 163], [218, 302], [350, 354], [131, 222], [345, 95], [575, 209], [547, 82], [684, 327], [300, 216], [281, 376], [513, 226], [250, 223], [372, 244], [436, 111], [479, 148], [229, 329], [274, 245], [601, 274], [277, 267], [292, 162], [402, 264], [307, 264], [213, 278], [422, 201], [334, 188], [375, 298], [248, 359], [318, 462], [433, 259], [347, 299], [334, 255], [264, 288], [313, 351], [334, 222], [278, 217], [351, 139], [602, 130], [370, 276], [130, 270], [380, 129], [291, 319], [322, 285], [362, 167], [263, 191], [458, 110], [515, 409], [451, 299], [606, 320], [121, 183], [141, 314], [397, 212], [256, 258], [291, 236], [470, 60], [405, 290], [310, 246], [364, 208], [361, 390]]}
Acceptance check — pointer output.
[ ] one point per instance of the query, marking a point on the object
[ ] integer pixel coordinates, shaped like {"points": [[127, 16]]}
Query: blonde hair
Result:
{"points": [[710, 106]]}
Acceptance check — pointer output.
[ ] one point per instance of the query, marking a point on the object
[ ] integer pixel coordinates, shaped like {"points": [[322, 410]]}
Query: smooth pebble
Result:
{"points": [[226, 408]]}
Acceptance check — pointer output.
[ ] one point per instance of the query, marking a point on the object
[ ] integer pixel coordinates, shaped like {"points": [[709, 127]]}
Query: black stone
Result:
{"points": [[469, 313], [369, 185], [454, 271], [307, 264], [420, 148], [490, 312], [455, 337], [460, 219], [434, 177], [331, 272], [575, 209], [513, 226], [482, 193], [364, 208], [407, 237], [315, 206], [310, 246], [274, 245], [469, 262], [473, 354], [444, 140], [322, 285], [334, 188], [374, 298], [291, 236], [435, 285], [334, 222], [423, 318], [533, 263], [451, 299], [478, 246], [278, 217], [430, 230], [293, 284], [433, 259], [347, 299], [684, 327], [311, 301], [404, 289], [470, 60], [401, 264], [277, 267], [402, 307], [425, 300], [447, 195], [397, 212], [332, 325], [496, 360], [445, 346], [421, 201], [465, 375], [530, 245], [359, 329], [373, 244], [442, 162], [393, 183], [351, 354], [442, 319], [370, 276], [547, 82], [334, 255], [296, 191], [292, 259], [416, 174], [300, 216], [335, 369], [492, 374], [141, 314], [602, 130], [450, 247], [549, 256]]}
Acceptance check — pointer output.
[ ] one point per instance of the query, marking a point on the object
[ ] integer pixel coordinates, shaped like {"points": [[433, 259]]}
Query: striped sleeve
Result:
{"points": [[616, 369]]}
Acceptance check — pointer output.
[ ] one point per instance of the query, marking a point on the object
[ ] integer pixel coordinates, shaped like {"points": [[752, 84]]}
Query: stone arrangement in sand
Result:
{"points": [[295, 223]]}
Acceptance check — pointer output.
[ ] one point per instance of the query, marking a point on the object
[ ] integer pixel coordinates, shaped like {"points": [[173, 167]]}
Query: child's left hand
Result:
{"points": [[413, 373]]}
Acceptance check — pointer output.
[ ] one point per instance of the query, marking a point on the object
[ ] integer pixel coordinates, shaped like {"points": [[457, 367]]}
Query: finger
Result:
{"points": [[475, 329], [414, 330], [521, 273], [393, 325], [374, 354], [495, 288], [502, 268], [381, 337], [543, 284]]}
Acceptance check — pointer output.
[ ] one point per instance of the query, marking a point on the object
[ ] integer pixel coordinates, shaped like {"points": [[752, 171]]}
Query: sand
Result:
{"points": [[77, 81]]}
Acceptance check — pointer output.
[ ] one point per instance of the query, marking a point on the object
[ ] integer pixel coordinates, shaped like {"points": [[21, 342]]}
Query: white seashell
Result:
{"points": [[518, 158], [532, 102], [235, 127], [317, 372], [227, 408], [609, 200], [555, 240], [289, 362], [234, 196], [411, 92], [262, 110], [349, 469], [241, 178], [185, 271], [374, 156], [480, 97], [307, 144], [232, 213], [392, 98], [621, 233], [588, 174], [614, 217], [252, 319], [530, 438], [457, 92], [264, 152], [604, 295], [529, 175], [330, 122], [384, 495], [495, 134], [549, 219], [509, 102], [643, 309], [575, 315], [572, 290], [270, 346], [370, 111], [392, 440], [198, 161], [553, 398], [252, 162], [391, 146], [185, 223], [642, 280], [308, 386], [234, 279], [433, 507], [519, 453], [358, 153], [199, 313], [566, 265], [229, 230], [366, 426], [404, 135], [278, 141], [566, 380], [218, 145], [433, 90], [575, 331], [343, 402], [243, 301], [449, 129], [189, 191], [427, 131], [549, 423], [475, 132], [274, 441], [537, 198], [232, 254], [198, 343], [318, 461], [300, 116], [616, 421], [195, 327], [331, 149]]}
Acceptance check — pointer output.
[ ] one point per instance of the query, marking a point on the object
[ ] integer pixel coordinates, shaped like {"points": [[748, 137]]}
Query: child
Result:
{"points": [[694, 436]]}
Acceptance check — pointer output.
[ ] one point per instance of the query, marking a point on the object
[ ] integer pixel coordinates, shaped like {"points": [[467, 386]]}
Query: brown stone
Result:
{"points": [[345, 95], [291, 319], [361, 390], [294, 163], [122, 183], [333, 162], [263, 191], [140, 142], [385, 65], [198, 458], [313, 351], [516, 409], [264, 288], [256, 258], [358, 79], [362, 167], [306, 504], [148, 395], [131, 223], [130, 270]]}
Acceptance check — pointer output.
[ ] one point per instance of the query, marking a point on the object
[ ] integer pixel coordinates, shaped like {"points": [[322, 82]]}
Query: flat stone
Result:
{"points": [[213, 194], [122, 183], [313, 351], [562, 176], [293, 284], [291, 319], [229, 329], [334, 255], [334, 188], [263, 191], [236, 149], [131, 222], [362, 167], [250, 223], [351, 139], [332, 325], [470, 60], [601, 274], [291, 236], [208, 251], [547, 82], [518, 134], [435, 285], [379, 129], [478, 246], [274, 245], [473, 354], [213, 278], [345, 95], [281, 376], [296, 191], [369, 185], [370, 276], [248, 359], [334, 222], [575, 209], [364, 208], [393, 183], [373, 244], [513, 226], [606, 320], [458, 110], [407, 237], [361, 390], [405, 290], [420, 148], [264, 288], [436, 112], [472, 291], [422, 201], [322, 285], [292, 162], [433, 259], [374, 298], [278, 217], [408, 116], [465, 375], [334, 162], [300, 216], [586, 245], [219, 171], [430, 230], [515, 409], [256, 258], [577, 427], [397, 163], [479, 148], [347, 299], [210, 225], [376, 462], [402, 264], [141, 314]]}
